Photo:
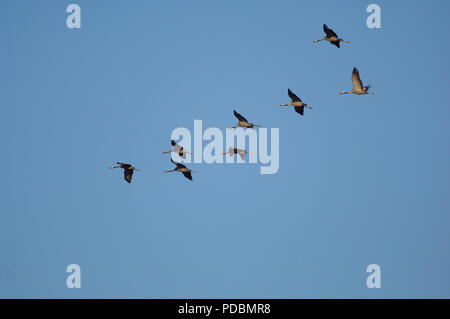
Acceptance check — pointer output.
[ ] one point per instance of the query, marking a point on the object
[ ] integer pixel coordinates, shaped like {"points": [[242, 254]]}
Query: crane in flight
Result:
{"points": [[358, 87], [331, 37], [182, 169], [243, 122], [298, 105], [234, 150], [127, 170], [178, 149]]}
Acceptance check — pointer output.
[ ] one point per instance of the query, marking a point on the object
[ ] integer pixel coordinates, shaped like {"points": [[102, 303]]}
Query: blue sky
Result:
{"points": [[362, 179]]}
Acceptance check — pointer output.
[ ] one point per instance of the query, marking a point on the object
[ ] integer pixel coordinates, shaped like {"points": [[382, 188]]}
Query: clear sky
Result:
{"points": [[362, 179]]}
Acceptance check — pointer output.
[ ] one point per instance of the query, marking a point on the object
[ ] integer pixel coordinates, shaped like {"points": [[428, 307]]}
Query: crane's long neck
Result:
{"points": [[284, 104], [344, 92], [169, 170], [167, 152], [114, 166], [314, 41]]}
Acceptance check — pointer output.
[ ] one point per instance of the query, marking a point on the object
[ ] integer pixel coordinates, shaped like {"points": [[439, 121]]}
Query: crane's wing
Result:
{"points": [[330, 33], [242, 154], [299, 109], [181, 153], [179, 165], [124, 165], [357, 84], [128, 174], [240, 117], [293, 97], [177, 148], [336, 43], [188, 175]]}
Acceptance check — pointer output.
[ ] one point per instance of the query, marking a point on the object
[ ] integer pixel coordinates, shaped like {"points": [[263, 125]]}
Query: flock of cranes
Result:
{"points": [[296, 102]]}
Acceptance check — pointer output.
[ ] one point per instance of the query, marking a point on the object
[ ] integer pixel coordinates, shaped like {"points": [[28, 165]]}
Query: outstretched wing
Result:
{"points": [[240, 117], [293, 97], [179, 165], [188, 175], [241, 153], [336, 43], [177, 148], [128, 174], [356, 80], [299, 109], [330, 33], [182, 153]]}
